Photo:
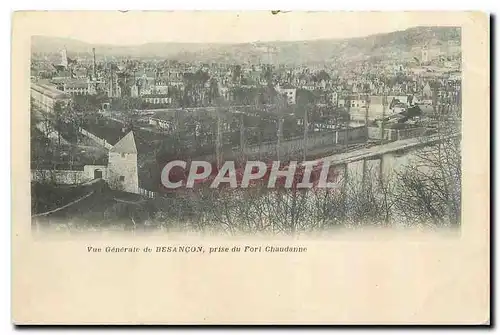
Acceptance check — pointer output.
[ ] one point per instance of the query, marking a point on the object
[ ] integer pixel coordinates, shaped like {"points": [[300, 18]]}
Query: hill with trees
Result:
{"points": [[398, 44]]}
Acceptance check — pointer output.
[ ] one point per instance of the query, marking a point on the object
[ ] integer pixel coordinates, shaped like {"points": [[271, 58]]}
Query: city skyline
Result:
{"points": [[118, 130], [344, 156]]}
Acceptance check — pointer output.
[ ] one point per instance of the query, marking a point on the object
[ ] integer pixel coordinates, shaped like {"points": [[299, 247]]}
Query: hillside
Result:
{"points": [[45, 44], [399, 44]]}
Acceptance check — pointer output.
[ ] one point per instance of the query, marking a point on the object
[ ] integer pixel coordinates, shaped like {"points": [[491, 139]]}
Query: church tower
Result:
{"points": [[425, 54], [64, 58], [122, 165]]}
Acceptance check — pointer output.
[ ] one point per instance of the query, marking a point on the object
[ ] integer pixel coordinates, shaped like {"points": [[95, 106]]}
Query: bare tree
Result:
{"points": [[430, 186]]}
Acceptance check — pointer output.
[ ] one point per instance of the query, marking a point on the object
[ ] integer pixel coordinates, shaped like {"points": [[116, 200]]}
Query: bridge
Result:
{"points": [[377, 154], [380, 150]]}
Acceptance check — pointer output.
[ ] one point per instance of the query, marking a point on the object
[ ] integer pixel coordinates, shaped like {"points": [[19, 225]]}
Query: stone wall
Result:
{"points": [[374, 133], [60, 176], [122, 172], [68, 177], [322, 139], [99, 140], [394, 134], [410, 133]]}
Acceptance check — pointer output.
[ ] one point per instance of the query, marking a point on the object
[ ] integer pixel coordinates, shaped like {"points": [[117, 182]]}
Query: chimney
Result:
{"points": [[94, 64]]}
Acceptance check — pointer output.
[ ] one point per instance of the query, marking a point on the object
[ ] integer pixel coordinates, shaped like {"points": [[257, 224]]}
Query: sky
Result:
{"points": [[130, 28]]}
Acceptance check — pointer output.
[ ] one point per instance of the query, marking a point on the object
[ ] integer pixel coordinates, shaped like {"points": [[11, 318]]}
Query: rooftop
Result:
{"points": [[48, 90], [287, 87], [125, 145], [77, 84], [156, 95]]}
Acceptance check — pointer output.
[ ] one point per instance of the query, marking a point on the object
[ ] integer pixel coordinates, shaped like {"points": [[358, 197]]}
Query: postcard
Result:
{"points": [[250, 168]]}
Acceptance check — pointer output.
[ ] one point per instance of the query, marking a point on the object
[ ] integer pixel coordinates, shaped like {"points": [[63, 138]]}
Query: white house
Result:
{"points": [[122, 165], [289, 92]]}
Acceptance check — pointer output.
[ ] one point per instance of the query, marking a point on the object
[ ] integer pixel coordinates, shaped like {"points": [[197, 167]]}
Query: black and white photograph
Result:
{"points": [[250, 168], [261, 137]]}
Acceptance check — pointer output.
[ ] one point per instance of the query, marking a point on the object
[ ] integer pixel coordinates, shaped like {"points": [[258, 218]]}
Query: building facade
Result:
{"points": [[46, 97], [122, 171], [157, 99], [290, 94]]}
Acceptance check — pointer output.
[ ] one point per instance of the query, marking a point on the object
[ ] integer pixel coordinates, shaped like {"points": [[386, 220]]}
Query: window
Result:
{"points": [[122, 178]]}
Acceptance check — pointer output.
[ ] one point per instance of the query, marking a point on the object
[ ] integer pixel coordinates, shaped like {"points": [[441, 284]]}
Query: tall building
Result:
{"points": [[134, 91], [113, 89], [427, 91], [335, 99], [64, 58], [425, 54]]}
